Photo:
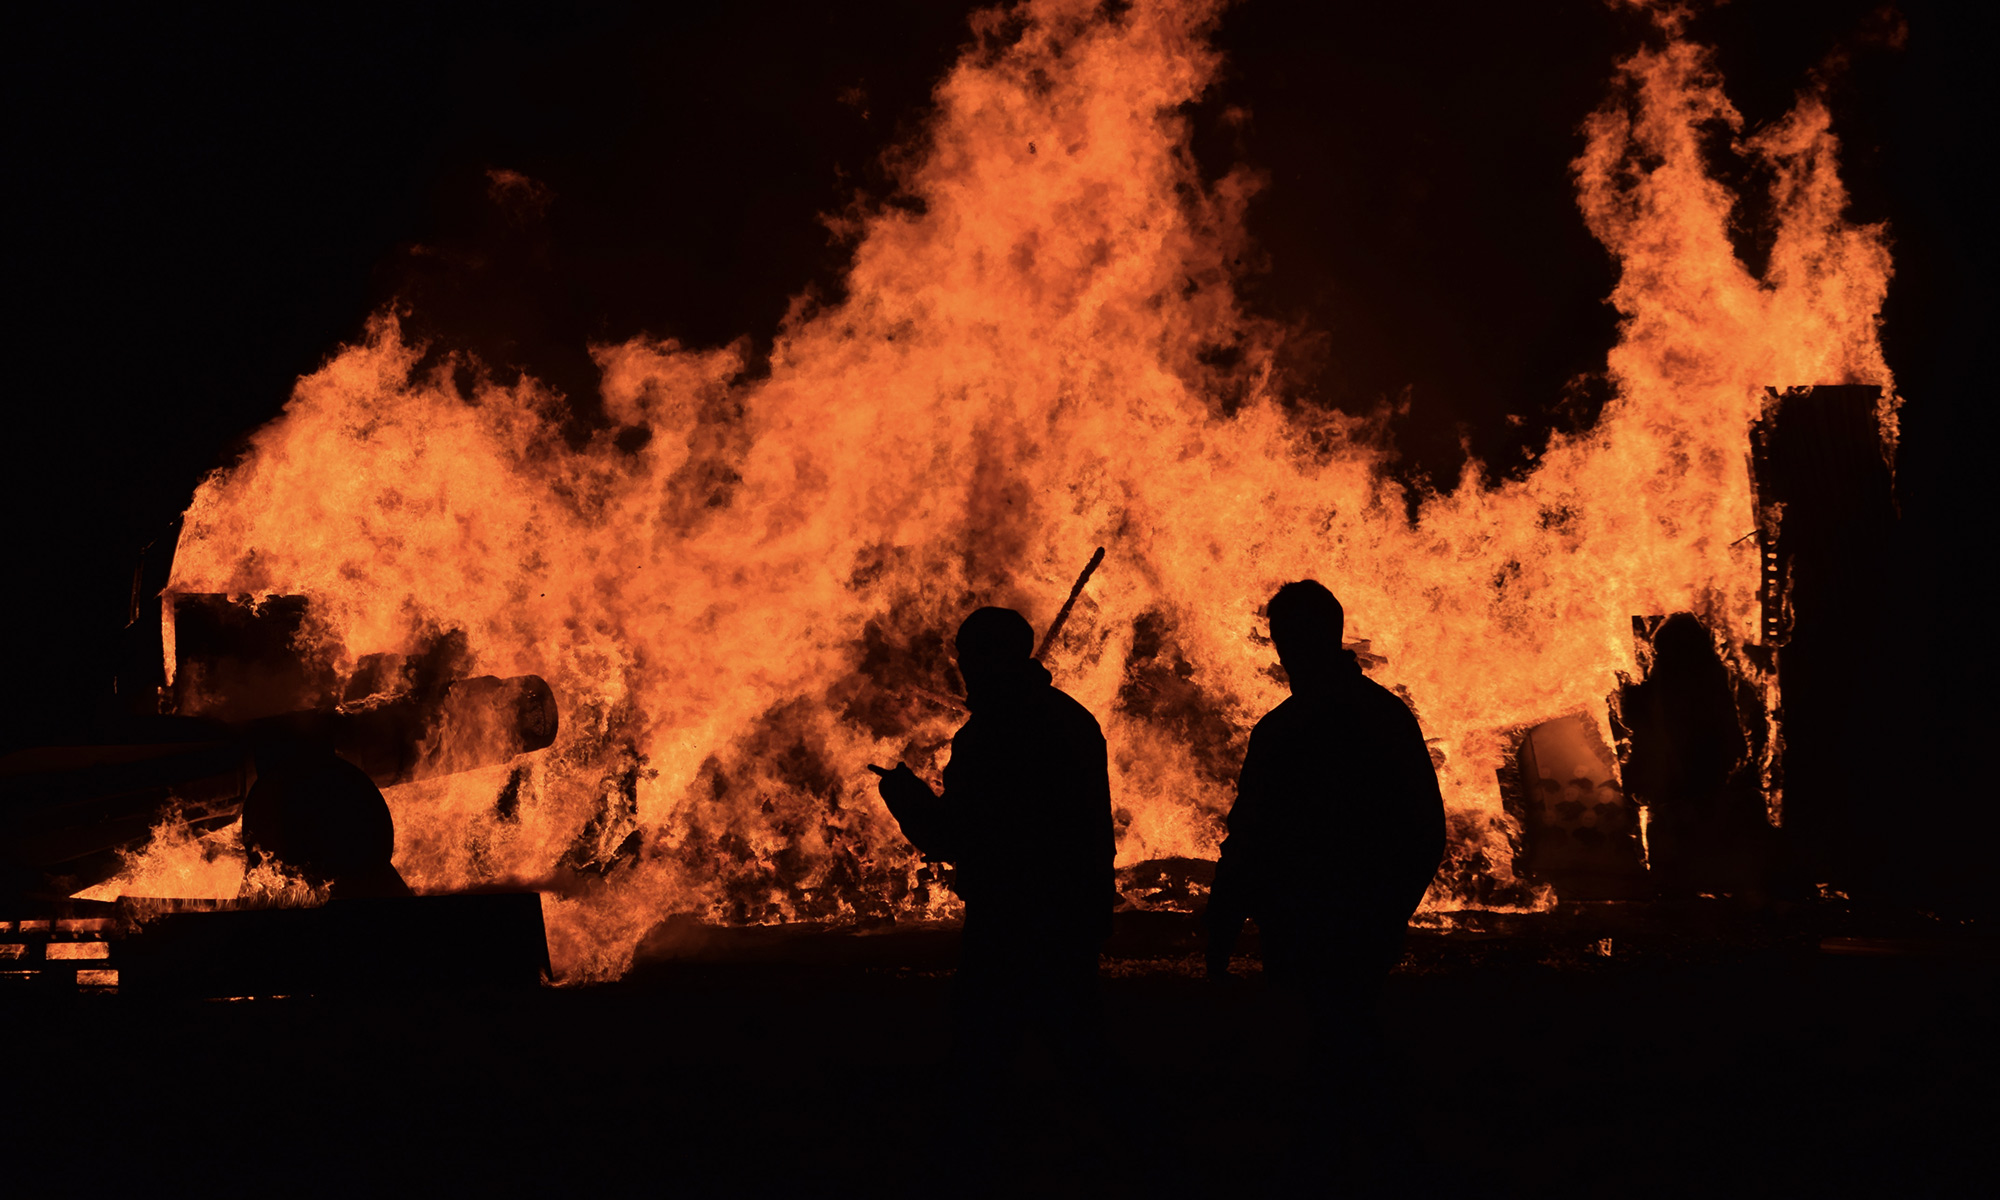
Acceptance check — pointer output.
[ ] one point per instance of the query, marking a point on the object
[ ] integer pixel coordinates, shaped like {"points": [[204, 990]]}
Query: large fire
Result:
{"points": [[741, 591]]}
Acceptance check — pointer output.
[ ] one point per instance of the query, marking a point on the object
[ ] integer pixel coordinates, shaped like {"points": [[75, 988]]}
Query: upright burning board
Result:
{"points": [[1835, 580]]}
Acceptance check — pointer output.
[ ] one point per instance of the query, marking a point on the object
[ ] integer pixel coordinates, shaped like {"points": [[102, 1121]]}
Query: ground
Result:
{"points": [[1610, 1050]]}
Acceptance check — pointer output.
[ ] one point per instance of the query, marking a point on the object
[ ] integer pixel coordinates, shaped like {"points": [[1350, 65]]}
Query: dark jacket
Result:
{"points": [[1025, 819], [1338, 825]]}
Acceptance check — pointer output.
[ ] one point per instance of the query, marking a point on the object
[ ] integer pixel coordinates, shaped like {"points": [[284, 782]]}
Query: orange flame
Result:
{"points": [[742, 612]]}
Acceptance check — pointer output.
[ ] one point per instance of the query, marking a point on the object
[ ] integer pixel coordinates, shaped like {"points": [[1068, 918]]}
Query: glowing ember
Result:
{"points": [[744, 610]]}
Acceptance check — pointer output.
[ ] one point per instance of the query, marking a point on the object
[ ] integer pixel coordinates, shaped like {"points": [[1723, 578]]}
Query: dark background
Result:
{"points": [[209, 201]]}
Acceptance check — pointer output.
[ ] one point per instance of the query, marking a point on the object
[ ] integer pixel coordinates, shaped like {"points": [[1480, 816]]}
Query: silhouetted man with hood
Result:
{"points": [[1338, 824], [1025, 819], [1687, 761]]}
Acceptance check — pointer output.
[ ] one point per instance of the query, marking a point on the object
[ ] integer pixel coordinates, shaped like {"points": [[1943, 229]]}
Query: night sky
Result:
{"points": [[208, 204]]}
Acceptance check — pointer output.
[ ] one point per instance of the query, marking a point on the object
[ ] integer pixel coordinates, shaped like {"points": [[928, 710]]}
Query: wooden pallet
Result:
{"points": [[60, 953]]}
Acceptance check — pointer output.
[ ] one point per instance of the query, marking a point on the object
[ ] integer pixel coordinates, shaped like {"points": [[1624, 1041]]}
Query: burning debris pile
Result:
{"points": [[740, 591], [240, 699]]}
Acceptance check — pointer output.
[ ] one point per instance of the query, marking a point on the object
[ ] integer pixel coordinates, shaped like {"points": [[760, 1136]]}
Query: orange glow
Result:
{"points": [[742, 613]]}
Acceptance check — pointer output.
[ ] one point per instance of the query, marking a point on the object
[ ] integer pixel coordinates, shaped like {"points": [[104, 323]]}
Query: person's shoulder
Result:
{"points": [[1290, 715], [1071, 711], [1384, 704], [970, 734], [1289, 709], [1374, 693]]}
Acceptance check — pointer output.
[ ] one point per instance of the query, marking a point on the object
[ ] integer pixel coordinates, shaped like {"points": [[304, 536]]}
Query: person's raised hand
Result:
{"points": [[900, 785]]}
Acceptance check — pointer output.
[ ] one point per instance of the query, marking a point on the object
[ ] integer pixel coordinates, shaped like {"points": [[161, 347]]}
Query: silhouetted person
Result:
{"points": [[1338, 824], [1703, 825], [1025, 819], [321, 817]]}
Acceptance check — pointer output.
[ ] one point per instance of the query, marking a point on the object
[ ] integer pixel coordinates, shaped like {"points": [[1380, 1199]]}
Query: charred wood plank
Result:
{"points": [[491, 940]]}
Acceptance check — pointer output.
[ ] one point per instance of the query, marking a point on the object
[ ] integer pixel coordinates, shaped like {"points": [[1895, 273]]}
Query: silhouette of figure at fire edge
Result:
{"points": [[1337, 828], [1025, 819]]}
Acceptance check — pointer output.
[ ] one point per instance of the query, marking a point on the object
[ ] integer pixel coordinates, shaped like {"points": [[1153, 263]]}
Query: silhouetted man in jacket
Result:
{"points": [[1338, 825], [1026, 821]]}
